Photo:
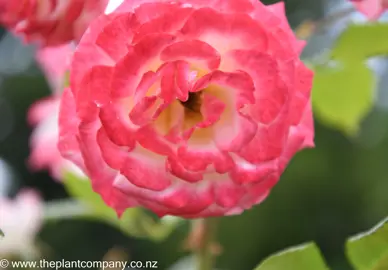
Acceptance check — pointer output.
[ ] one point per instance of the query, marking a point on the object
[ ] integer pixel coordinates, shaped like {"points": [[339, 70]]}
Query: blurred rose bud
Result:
{"points": [[54, 62], [371, 8], [43, 115], [20, 221], [50, 22]]}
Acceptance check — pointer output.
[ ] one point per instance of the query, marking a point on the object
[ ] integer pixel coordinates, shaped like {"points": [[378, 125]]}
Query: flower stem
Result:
{"points": [[206, 229]]}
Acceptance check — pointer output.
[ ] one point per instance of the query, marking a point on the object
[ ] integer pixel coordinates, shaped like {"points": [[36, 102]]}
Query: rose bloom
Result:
{"points": [[190, 108], [20, 220], [371, 8], [43, 114], [51, 22]]}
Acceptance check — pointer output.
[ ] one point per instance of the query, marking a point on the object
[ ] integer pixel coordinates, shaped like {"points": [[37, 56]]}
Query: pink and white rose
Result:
{"points": [[189, 107]]}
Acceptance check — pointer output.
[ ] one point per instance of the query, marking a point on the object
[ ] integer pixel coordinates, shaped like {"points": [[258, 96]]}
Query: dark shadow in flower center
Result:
{"points": [[193, 103], [192, 108]]}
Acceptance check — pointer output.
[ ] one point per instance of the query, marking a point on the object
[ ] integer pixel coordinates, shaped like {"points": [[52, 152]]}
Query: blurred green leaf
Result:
{"points": [[1, 233], [369, 251], [304, 257], [66, 81], [343, 95], [344, 85], [361, 41], [134, 221]]}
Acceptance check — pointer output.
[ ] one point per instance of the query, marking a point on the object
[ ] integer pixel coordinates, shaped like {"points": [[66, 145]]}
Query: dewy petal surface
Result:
{"points": [[191, 108]]}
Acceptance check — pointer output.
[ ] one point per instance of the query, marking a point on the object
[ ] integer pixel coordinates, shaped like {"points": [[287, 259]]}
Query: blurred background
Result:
{"points": [[326, 195]]}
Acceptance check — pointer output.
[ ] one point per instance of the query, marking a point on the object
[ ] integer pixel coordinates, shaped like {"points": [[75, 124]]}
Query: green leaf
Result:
{"points": [[81, 189], [369, 251], [344, 86], [361, 41], [1, 233], [133, 222], [343, 95], [304, 257]]}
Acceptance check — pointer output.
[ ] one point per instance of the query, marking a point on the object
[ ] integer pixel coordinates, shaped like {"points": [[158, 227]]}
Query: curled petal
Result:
{"points": [[167, 22], [117, 127], [117, 36], [139, 57], [146, 170], [215, 29], [178, 170], [192, 50]]}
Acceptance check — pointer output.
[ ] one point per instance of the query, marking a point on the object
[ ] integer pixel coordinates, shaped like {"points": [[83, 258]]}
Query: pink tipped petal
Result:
{"points": [[152, 141], [117, 36], [145, 170], [227, 194], [168, 22], [300, 44], [200, 159], [307, 126], [99, 171], [268, 142], [116, 126], [211, 110], [112, 154], [192, 50], [245, 172], [240, 133], [88, 54], [258, 191], [190, 202], [239, 83], [142, 113], [147, 81], [153, 10], [127, 70], [152, 7], [95, 87], [178, 170], [174, 83], [214, 28], [279, 9], [68, 129], [272, 95]]}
